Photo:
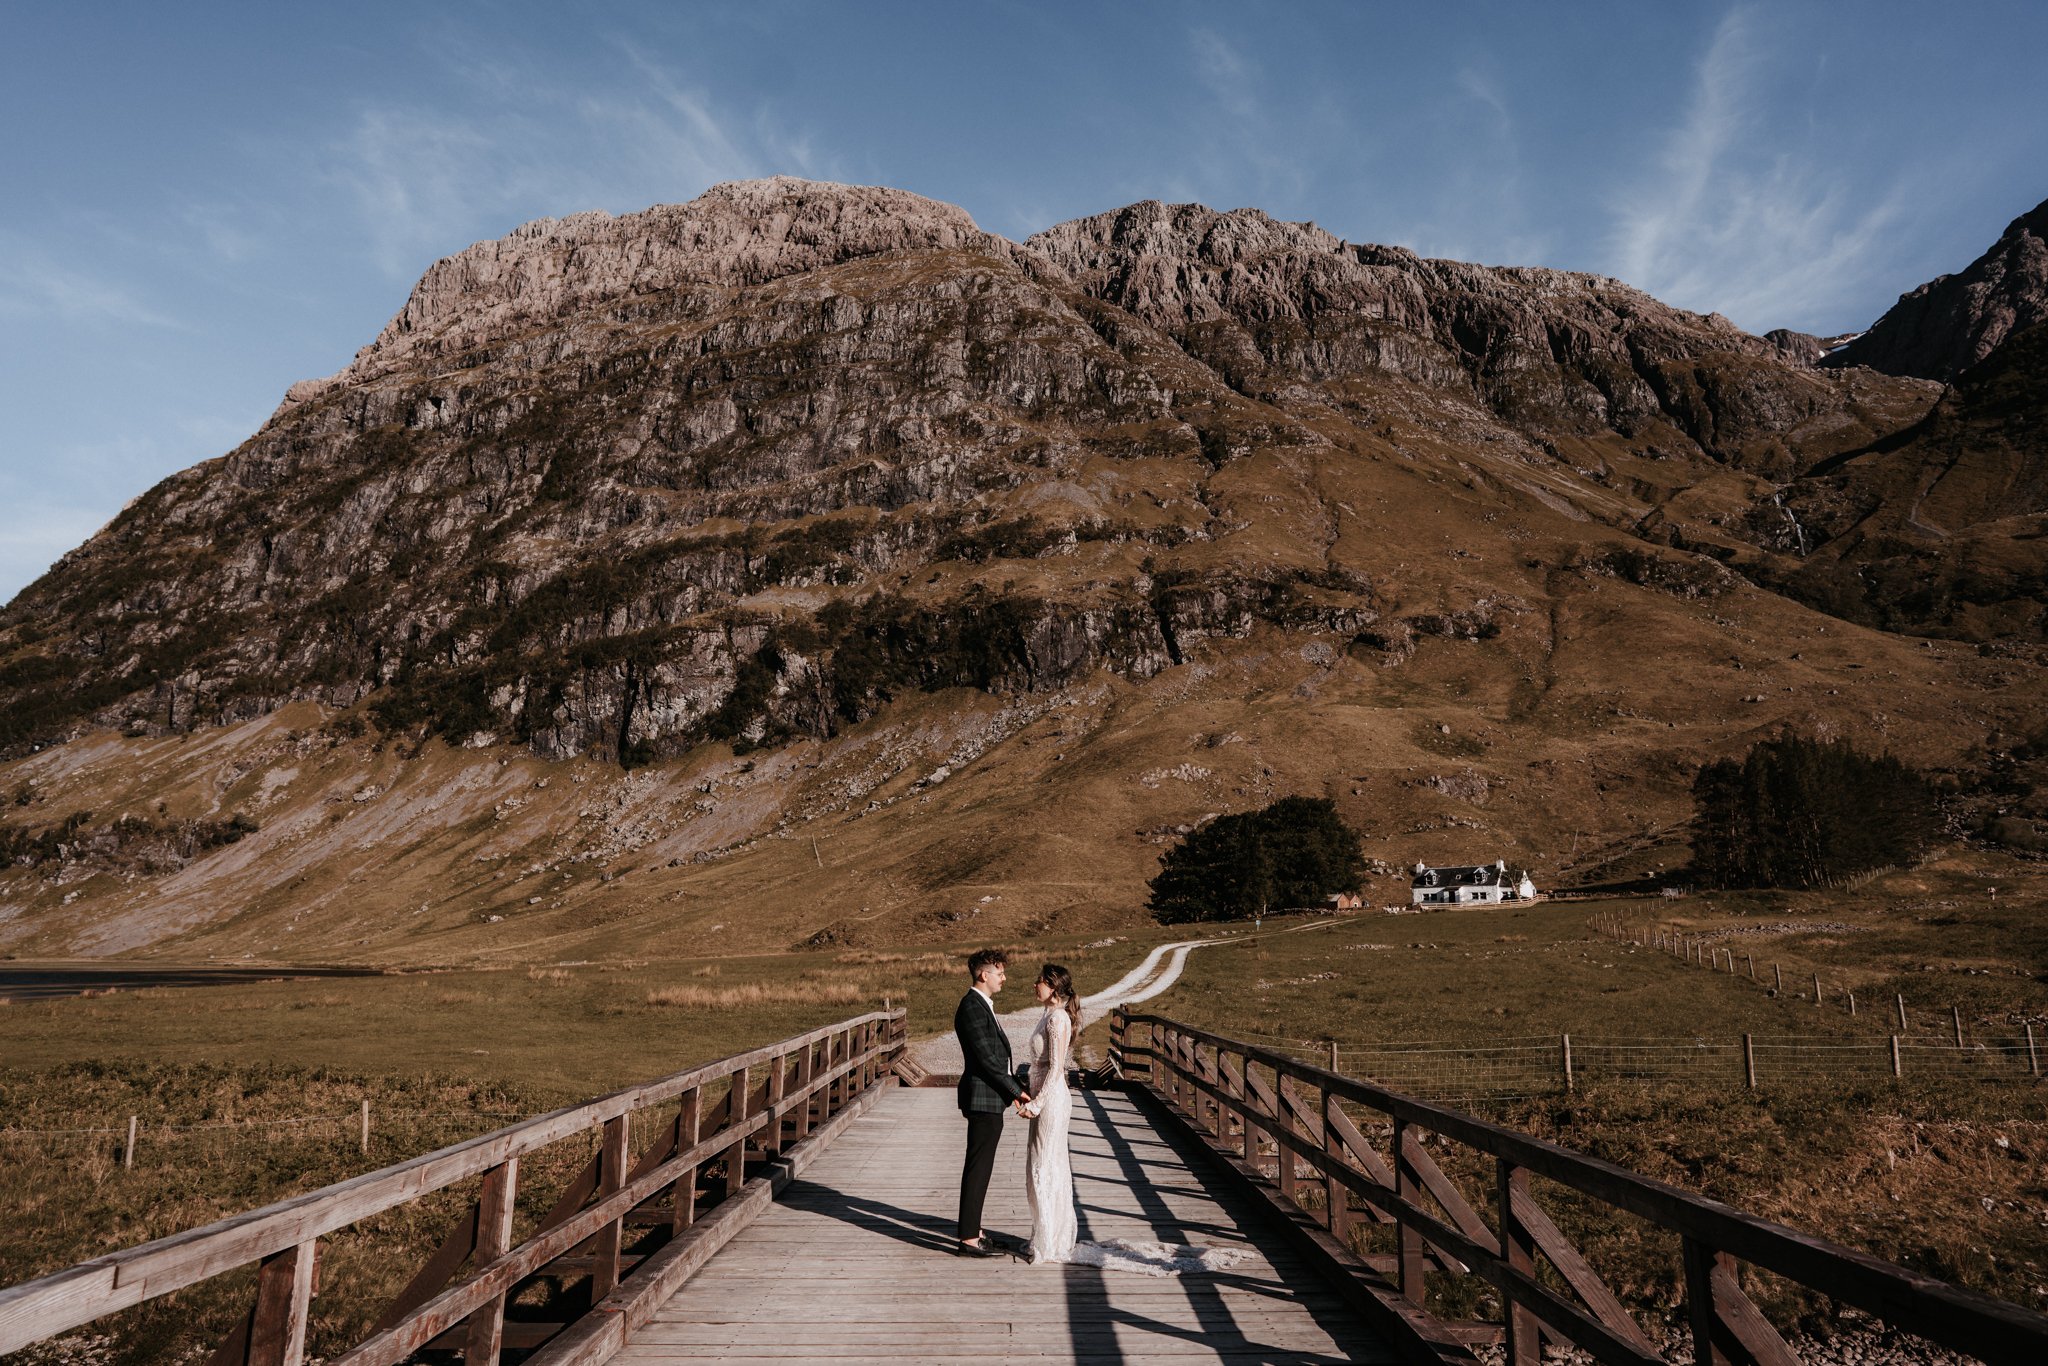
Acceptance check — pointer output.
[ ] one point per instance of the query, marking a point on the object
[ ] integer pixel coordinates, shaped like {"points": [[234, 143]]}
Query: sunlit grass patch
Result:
{"points": [[758, 994]]}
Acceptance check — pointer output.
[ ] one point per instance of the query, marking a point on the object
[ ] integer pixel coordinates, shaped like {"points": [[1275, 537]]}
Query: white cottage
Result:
{"points": [[1455, 886]]}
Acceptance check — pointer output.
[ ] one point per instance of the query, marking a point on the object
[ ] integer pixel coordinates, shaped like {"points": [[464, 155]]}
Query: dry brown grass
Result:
{"points": [[908, 964], [758, 994], [708, 970], [551, 976]]}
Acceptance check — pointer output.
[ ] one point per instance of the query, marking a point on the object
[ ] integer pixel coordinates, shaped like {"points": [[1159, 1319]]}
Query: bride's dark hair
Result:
{"points": [[1062, 983]]}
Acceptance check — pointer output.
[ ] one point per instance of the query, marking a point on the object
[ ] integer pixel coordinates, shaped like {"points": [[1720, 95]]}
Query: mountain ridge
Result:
{"points": [[845, 522]]}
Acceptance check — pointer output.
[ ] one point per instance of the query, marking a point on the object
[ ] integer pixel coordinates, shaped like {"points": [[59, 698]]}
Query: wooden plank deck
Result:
{"points": [[852, 1263]]}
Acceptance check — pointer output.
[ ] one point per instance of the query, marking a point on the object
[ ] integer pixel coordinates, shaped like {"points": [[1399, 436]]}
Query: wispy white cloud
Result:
{"points": [[1733, 217], [1225, 72], [1476, 208], [35, 285], [427, 179]]}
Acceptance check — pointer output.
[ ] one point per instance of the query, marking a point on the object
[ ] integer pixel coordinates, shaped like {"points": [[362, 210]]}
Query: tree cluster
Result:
{"points": [[1293, 853], [1807, 813]]}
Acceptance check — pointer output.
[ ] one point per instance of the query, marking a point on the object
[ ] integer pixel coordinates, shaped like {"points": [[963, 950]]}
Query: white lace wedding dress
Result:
{"points": [[1049, 1176]]}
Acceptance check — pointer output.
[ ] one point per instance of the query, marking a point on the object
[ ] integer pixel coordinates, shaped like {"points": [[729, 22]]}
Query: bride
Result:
{"points": [[1049, 1173]]}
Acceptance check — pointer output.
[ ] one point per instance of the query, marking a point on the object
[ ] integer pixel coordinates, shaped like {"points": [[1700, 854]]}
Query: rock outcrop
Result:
{"points": [[750, 467], [1952, 322]]}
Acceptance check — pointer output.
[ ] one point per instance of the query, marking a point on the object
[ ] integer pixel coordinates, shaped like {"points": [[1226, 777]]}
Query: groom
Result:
{"points": [[986, 1088]]}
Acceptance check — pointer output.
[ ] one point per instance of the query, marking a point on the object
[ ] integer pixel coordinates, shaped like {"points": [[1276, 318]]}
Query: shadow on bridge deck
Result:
{"points": [[852, 1263]]}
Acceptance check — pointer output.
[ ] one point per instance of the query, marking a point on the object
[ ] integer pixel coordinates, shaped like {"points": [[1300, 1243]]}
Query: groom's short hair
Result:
{"points": [[981, 960]]}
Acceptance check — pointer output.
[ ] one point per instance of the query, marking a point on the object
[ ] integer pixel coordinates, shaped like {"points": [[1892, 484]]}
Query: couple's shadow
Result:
{"points": [[918, 1228]]}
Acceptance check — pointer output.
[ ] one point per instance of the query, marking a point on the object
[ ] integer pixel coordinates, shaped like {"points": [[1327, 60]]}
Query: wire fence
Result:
{"points": [[137, 1139], [1538, 1065]]}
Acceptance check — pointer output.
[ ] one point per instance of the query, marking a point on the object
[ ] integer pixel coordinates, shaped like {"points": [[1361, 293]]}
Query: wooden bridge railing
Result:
{"points": [[791, 1095], [1246, 1098]]}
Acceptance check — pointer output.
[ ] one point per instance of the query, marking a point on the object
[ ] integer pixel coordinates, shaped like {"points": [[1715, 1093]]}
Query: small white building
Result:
{"points": [[1458, 886]]}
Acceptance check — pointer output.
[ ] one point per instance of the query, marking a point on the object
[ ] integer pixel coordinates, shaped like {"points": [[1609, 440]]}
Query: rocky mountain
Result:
{"points": [[691, 543], [1952, 322]]}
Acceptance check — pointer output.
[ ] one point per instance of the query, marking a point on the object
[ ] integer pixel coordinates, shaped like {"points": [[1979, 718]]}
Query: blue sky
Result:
{"points": [[203, 203]]}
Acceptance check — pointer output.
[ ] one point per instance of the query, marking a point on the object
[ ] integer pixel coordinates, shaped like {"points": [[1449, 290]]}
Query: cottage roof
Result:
{"points": [[1479, 875]]}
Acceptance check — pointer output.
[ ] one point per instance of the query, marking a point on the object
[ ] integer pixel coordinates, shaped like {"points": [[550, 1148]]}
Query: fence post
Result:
{"points": [[1900, 1001], [1955, 1014], [1567, 1058], [771, 1137], [1896, 1071], [2033, 1058], [1750, 958], [128, 1152], [1749, 1061], [284, 1295], [1816, 988], [736, 1114], [1336, 1198], [363, 1139], [1524, 1345], [1407, 1187], [611, 1179], [493, 1240], [1777, 979], [683, 1195], [1333, 1055], [1852, 1003]]}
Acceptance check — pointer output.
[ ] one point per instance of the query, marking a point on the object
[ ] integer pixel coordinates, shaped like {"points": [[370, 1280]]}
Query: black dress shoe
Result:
{"points": [[978, 1250]]}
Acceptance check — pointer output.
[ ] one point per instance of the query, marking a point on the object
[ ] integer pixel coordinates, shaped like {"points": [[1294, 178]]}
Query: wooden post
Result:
{"points": [[1852, 1003], [1408, 1186], [1524, 1345], [363, 1140], [128, 1152], [771, 1137], [611, 1178], [736, 1110], [1955, 1014], [1777, 979], [1749, 1061], [1333, 1055], [806, 1072], [1336, 1199], [1284, 1124], [1240, 1090], [1896, 1071], [1700, 1262], [1900, 1001], [1567, 1060], [1750, 958], [1816, 988], [683, 1199], [493, 1240], [2033, 1058], [284, 1294]]}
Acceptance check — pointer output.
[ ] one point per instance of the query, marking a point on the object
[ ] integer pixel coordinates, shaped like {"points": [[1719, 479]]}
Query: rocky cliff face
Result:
{"points": [[618, 485], [1952, 322]]}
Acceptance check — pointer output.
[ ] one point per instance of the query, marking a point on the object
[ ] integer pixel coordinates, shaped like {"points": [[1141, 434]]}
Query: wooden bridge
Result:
{"points": [[795, 1203]]}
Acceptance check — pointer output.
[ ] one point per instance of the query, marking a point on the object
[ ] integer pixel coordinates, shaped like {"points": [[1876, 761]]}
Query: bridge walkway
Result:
{"points": [[851, 1263]]}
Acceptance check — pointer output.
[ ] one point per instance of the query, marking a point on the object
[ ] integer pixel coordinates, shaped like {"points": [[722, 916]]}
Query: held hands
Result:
{"points": [[1025, 1106]]}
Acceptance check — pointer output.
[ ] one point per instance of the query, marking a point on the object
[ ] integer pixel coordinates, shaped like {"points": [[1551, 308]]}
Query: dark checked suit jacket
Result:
{"points": [[986, 1084]]}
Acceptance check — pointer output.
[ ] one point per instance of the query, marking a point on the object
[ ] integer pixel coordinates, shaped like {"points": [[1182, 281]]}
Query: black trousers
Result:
{"points": [[984, 1133]]}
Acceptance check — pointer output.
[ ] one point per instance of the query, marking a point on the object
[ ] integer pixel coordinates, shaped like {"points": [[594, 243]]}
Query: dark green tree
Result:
{"points": [[1807, 813], [1293, 853]]}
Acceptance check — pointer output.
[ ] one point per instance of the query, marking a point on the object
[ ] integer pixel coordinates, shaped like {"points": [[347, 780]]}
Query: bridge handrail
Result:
{"points": [[1726, 1325], [820, 1070]]}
